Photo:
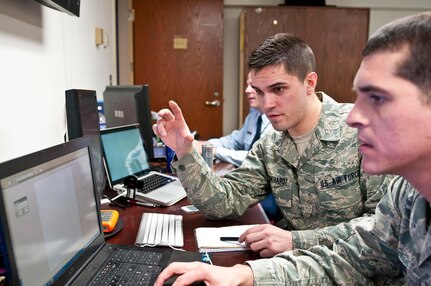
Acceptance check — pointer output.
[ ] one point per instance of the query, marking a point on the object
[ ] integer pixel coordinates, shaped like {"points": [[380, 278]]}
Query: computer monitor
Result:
{"points": [[83, 119], [130, 104]]}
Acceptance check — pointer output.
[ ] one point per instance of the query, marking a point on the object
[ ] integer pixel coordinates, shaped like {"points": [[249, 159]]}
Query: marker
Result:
{"points": [[144, 204], [229, 238]]}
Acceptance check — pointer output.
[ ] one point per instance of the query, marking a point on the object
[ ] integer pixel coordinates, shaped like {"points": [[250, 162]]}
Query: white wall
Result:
{"points": [[381, 12], [44, 52]]}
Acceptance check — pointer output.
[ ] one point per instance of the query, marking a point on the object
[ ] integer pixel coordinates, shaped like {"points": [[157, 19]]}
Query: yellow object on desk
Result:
{"points": [[109, 219]]}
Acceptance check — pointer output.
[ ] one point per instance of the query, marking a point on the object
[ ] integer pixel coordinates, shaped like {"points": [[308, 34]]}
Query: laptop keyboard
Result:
{"points": [[160, 229], [153, 182], [130, 267]]}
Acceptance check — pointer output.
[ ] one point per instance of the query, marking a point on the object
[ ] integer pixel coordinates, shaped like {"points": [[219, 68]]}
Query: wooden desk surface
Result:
{"points": [[131, 217]]}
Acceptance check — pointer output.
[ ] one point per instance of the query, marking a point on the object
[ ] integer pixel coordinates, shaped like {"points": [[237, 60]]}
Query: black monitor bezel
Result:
{"points": [[25, 162], [138, 99]]}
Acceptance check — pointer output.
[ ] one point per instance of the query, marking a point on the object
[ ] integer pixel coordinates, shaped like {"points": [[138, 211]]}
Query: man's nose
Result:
{"points": [[355, 118], [268, 101]]}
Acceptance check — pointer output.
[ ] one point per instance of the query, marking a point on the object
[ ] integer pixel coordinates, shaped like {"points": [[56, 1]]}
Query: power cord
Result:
{"points": [[114, 202], [206, 257], [160, 244]]}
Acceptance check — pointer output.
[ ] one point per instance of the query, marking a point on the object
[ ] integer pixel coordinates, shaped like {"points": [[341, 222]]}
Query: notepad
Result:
{"points": [[208, 238]]}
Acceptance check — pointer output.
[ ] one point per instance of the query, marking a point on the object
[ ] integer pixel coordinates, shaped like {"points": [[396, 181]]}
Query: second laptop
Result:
{"points": [[124, 155]]}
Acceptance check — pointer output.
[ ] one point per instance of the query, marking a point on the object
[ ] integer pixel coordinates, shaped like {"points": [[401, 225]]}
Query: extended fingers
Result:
{"points": [[165, 115], [170, 270], [159, 128], [178, 115], [251, 230], [176, 110]]}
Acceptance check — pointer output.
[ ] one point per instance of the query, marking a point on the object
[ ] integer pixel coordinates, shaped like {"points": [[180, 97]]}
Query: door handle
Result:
{"points": [[213, 103]]}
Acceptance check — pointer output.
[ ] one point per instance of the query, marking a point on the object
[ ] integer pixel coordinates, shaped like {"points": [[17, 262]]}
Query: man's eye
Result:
{"points": [[278, 90], [376, 99], [259, 92]]}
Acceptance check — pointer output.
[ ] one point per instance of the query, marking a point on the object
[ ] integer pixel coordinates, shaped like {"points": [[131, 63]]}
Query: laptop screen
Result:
{"points": [[124, 153], [51, 213]]}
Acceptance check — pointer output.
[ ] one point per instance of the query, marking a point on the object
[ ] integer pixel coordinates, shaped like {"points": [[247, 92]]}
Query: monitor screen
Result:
{"points": [[130, 104], [49, 215], [124, 153]]}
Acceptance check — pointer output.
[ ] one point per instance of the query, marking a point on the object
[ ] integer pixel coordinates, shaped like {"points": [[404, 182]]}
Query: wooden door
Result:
{"points": [[336, 36], [178, 52]]}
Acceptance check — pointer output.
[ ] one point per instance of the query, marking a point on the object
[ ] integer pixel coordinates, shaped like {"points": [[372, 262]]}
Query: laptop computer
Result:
{"points": [[124, 155], [50, 222]]}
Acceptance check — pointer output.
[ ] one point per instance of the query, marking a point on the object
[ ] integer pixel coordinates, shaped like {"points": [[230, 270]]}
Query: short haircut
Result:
{"points": [[412, 33], [283, 49]]}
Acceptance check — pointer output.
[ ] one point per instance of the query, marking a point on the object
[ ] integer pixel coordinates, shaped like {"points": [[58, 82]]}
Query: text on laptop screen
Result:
{"points": [[125, 154], [51, 215]]}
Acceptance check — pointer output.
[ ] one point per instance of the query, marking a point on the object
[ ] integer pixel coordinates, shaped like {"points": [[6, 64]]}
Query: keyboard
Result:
{"points": [[153, 182], [130, 267], [161, 230]]}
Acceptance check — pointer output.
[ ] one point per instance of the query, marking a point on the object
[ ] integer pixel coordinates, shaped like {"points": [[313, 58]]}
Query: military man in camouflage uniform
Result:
{"points": [[312, 167], [392, 114]]}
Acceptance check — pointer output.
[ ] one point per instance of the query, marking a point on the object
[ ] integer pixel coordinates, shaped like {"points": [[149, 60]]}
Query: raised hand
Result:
{"points": [[173, 130]]}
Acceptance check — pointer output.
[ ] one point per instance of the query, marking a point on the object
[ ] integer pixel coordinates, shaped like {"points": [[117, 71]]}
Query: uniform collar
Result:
{"points": [[328, 129], [329, 126]]}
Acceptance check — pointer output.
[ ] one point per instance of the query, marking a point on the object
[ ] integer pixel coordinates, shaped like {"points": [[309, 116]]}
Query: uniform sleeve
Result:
{"points": [[369, 256], [373, 188], [226, 197], [316, 266]]}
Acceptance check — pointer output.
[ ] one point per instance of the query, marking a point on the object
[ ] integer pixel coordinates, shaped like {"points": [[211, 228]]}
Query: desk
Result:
{"points": [[132, 218]]}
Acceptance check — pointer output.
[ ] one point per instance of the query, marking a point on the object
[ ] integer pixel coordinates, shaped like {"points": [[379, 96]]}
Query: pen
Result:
{"points": [[144, 204], [229, 238]]}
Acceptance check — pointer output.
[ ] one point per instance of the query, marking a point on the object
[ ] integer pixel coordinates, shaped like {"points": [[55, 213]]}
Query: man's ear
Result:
{"points": [[311, 82]]}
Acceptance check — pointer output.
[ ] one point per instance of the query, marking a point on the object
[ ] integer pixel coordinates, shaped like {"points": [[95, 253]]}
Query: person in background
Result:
{"points": [[233, 148], [311, 163], [392, 113]]}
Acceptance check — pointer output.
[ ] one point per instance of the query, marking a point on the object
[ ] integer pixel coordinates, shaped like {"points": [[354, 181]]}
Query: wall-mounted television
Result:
{"points": [[70, 7]]}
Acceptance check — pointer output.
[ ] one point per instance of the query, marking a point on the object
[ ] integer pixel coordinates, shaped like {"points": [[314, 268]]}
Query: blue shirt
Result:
{"points": [[233, 148]]}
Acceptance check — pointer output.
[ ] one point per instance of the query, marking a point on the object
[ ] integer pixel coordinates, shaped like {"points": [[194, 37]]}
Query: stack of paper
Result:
{"points": [[209, 238]]}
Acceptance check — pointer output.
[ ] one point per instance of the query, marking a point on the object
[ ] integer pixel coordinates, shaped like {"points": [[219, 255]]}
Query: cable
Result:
{"points": [[206, 257], [114, 202], [161, 244]]}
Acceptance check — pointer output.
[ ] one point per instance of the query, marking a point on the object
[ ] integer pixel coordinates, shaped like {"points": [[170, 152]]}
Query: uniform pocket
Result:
{"points": [[340, 195]]}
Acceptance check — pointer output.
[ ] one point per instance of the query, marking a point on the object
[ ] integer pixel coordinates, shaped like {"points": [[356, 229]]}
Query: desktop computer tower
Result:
{"points": [[83, 119]]}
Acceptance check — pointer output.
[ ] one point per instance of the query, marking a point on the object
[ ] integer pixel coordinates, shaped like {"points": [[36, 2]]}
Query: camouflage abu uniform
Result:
{"points": [[324, 187], [399, 242]]}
